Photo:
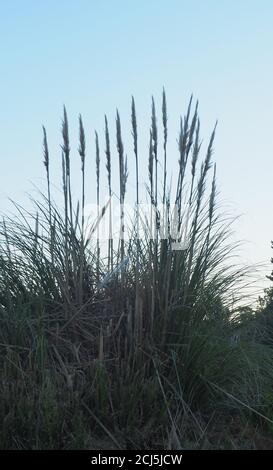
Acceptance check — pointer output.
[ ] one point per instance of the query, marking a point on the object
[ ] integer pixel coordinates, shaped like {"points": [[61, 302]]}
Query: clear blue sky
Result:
{"points": [[92, 55]]}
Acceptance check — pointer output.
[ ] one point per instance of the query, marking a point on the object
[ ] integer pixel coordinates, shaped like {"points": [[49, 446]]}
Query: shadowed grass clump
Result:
{"points": [[134, 344]]}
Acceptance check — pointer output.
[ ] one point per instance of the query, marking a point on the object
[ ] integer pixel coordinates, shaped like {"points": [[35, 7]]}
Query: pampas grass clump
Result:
{"points": [[129, 345]]}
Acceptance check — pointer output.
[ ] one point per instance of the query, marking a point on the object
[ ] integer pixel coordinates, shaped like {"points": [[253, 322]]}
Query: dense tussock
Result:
{"points": [[133, 342]]}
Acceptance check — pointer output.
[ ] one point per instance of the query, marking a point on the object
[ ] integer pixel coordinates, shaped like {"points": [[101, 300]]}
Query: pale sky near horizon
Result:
{"points": [[93, 55]]}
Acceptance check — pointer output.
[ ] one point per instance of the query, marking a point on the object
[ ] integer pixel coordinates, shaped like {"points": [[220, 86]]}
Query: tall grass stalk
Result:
{"points": [[98, 200], [108, 168], [82, 150]]}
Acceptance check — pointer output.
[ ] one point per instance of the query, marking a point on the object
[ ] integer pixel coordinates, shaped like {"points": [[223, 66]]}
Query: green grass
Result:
{"points": [[131, 346]]}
